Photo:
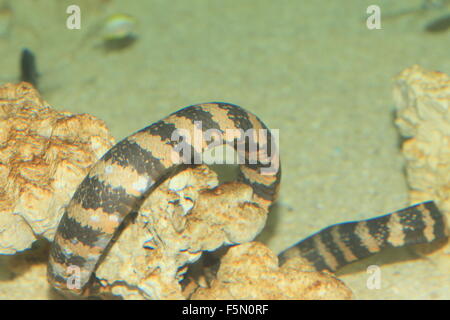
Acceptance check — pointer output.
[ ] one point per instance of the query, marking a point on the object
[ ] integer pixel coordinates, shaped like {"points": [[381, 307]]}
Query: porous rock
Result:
{"points": [[186, 215], [189, 214], [422, 99], [251, 271], [44, 155]]}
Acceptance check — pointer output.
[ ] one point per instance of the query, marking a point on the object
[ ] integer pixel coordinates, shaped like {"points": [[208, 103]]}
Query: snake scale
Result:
{"points": [[119, 182]]}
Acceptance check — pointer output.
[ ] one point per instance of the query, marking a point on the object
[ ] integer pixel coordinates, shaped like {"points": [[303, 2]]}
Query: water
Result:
{"points": [[309, 68]]}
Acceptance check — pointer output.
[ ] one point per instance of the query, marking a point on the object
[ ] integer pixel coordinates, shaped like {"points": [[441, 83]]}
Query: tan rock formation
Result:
{"points": [[423, 116], [250, 271], [44, 155], [179, 220]]}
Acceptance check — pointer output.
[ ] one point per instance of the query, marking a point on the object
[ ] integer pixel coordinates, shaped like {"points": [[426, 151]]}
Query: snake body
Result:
{"points": [[341, 244], [119, 182]]}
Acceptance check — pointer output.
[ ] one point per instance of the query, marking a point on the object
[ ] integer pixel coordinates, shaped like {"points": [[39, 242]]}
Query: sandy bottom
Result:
{"points": [[314, 72]]}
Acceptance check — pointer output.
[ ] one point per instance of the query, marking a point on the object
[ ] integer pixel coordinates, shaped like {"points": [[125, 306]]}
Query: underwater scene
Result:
{"points": [[207, 149]]}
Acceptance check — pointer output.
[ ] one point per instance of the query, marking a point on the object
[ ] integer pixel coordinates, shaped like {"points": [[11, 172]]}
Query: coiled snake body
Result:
{"points": [[119, 182]]}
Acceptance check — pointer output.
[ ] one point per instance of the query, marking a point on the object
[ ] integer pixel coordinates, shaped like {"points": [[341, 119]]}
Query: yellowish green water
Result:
{"points": [[311, 69]]}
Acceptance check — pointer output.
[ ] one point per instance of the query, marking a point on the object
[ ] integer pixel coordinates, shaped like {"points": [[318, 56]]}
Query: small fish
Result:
{"points": [[118, 31], [28, 70]]}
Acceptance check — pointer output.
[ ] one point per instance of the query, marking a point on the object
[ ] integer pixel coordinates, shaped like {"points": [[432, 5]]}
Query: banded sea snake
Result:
{"points": [[143, 160]]}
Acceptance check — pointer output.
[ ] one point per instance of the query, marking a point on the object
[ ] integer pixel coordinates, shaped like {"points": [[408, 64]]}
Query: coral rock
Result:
{"points": [[250, 271], [183, 217], [44, 155], [423, 116]]}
